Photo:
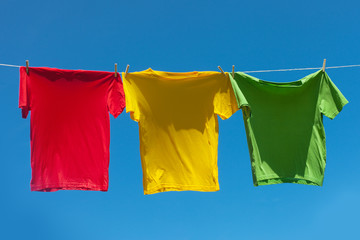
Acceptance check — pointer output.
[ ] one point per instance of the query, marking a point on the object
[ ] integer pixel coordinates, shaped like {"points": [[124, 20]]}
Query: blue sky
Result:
{"points": [[182, 36]]}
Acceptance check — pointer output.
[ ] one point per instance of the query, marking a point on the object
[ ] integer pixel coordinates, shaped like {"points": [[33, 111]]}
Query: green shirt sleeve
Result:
{"points": [[331, 99], [242, 103]]}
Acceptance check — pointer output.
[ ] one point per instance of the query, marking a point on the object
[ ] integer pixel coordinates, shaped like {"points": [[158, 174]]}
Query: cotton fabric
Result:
{"points": [[70, 126], [178, 126], [284, 126]]}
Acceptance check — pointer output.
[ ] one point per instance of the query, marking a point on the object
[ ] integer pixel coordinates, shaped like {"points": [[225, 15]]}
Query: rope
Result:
{"points": [[9, 65], [299, 69], [256, 71]]}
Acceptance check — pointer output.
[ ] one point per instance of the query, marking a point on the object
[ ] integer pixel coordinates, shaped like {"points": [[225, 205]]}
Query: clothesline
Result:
{"points": [[299, 69], [255, 71], [58, 165]]}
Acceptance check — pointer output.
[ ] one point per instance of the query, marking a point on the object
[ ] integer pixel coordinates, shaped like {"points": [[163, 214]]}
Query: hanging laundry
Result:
{"points": [[70, 126], [178, 125], [284, 126]]}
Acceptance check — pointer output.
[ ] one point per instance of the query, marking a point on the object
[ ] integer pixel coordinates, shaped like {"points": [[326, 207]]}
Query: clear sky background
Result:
{"points": [[182, 36]]}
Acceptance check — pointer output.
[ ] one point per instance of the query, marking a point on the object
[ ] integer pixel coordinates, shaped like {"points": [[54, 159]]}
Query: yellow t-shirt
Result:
{"points": [[178, 125]]}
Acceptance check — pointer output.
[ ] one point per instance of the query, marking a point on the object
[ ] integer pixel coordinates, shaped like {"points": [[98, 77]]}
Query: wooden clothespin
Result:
{"points": [[324, 63], [115, 69], [27, 66], [127, 69], [221, 70], [233, 71]]}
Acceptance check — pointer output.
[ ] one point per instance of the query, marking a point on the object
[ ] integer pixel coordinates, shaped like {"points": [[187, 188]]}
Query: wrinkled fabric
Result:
{"points": [[70, 126], [284, 126], [178, 125]]}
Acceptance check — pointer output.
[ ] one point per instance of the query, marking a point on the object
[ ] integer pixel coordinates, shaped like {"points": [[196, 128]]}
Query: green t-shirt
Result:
{"points": [[284, 126]]}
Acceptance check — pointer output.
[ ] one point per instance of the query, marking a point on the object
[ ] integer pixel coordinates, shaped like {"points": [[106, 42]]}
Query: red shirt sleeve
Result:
{"points": [[24, 92], [116, 97]]}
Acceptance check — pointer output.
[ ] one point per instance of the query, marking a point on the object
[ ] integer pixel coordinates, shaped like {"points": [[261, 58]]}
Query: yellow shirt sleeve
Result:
{"points": [[225, 104], [132, 105]]}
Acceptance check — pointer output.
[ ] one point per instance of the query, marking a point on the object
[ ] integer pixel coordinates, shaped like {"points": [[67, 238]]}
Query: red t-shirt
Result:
{"points": [[70, 126]]}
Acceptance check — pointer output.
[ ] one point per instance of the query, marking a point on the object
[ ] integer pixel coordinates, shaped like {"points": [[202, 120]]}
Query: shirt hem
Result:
{"points": [[68, 186], [173, 187], [274, 179]]}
